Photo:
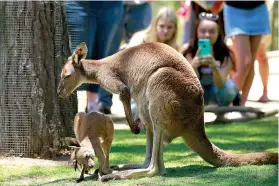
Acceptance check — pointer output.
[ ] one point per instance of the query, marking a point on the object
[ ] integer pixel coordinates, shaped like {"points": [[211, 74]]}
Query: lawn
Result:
{"points": [[183, 166]]}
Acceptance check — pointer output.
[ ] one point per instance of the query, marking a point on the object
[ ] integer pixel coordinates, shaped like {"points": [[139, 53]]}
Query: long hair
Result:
{"points": [[221, 50], [151, 33]]}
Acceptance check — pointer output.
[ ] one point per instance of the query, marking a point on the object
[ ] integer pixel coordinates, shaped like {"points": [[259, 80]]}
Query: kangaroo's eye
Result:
{"points": [[67, 76]]}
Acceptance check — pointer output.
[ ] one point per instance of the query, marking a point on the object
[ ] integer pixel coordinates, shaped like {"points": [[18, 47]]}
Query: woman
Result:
{"points": [[163, 28], [245, 23], [212, 69]]}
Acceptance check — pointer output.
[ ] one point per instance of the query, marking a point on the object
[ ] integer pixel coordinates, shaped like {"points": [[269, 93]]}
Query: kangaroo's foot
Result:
{"points": [[133, 173], [80, 179], [144, 165]]}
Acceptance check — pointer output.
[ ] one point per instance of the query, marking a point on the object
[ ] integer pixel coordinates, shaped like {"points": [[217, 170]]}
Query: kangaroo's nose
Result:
{"points": [[60, 92]]}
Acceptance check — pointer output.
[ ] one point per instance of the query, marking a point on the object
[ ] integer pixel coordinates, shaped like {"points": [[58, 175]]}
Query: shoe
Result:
{"points": [[103, 109], [237, 100], [92, 107]]}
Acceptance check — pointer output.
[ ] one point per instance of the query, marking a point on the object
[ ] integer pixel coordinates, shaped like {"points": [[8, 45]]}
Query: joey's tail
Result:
{"points": [[198, 142]]}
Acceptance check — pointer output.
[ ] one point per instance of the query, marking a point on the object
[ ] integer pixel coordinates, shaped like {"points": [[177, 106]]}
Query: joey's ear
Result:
{"points": [[80, 53], [72, 142]]}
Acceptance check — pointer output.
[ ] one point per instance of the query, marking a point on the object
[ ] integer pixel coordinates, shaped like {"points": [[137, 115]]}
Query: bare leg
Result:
{"points": [[254, 45], [264, 71], [241, 48], [92, 101], [245, 48]]}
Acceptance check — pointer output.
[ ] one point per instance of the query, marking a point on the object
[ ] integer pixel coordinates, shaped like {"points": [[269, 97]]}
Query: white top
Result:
{"points": [[137, 39]]}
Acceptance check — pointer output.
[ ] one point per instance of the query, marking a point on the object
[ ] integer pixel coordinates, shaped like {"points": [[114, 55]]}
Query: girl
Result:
{"points": [[163, 28], [212, 69]]}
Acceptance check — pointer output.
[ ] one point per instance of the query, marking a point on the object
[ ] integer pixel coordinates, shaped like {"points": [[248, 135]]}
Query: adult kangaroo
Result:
{"points": [[169, 100]]}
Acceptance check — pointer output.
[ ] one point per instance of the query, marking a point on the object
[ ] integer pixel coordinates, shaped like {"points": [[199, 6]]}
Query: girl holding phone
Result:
{"points": [[212, 60]]}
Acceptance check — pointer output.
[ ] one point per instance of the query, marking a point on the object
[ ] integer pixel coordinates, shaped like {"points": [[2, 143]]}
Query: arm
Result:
{"points": [[219, 73], [194, 61], [115, 85]]}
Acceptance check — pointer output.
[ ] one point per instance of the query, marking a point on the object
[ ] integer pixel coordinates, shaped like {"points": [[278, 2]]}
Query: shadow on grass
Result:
{"points": [[189, 171], [64, 181]]}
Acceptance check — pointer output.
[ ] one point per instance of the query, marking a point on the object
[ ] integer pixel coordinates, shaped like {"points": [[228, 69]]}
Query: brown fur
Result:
{"points": [[169, 101], [94, 134]]}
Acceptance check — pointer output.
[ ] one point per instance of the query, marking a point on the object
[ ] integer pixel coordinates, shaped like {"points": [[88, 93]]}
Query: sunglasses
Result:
{"points": [[210, 16]]}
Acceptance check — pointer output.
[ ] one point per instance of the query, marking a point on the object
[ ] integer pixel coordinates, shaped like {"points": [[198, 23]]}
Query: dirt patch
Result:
{"points": [[17, 161]]}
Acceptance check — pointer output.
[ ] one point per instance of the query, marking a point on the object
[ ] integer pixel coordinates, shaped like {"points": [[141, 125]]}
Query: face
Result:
{"points": [[84, 158], [208, 29], [165, 29], [71, 78]]}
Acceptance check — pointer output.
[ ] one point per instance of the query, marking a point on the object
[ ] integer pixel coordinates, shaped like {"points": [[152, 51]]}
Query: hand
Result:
{"points": [[137, 126], [208, 60], [196, 60]]}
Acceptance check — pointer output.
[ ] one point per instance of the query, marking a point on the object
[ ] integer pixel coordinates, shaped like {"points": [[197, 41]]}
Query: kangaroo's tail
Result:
{"points": [[198, 142]]}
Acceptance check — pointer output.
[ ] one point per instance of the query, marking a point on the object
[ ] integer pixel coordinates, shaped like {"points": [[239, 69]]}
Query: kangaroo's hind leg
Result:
{"points": [[145, 164], [157, 144], [151, 170]]}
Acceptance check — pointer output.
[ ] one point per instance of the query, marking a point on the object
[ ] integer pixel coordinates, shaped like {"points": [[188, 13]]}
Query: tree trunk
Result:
{"points": [[33, 47], [274, 27]]}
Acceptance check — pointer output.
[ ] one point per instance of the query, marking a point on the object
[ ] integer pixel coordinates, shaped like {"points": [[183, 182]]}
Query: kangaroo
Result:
{"points": [[94, 134], [169, 100]]}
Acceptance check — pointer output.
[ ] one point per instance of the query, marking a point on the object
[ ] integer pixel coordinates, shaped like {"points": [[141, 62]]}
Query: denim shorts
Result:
{"points": [[246, 21]]}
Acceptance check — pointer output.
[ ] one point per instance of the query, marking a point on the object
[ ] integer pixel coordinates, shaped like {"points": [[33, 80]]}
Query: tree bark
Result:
{"points": [[33, 47], [274, 27]]}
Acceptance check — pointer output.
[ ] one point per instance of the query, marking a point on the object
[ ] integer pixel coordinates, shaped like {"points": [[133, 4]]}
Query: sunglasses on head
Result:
{"points": [[210, 16]]}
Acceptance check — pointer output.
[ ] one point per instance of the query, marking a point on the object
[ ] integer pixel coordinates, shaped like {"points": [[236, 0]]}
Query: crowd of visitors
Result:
{"points": [[237, 33]]}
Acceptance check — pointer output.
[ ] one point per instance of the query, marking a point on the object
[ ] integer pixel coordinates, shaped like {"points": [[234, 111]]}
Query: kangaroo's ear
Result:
{"points": [[80, 53], [72, 142]]}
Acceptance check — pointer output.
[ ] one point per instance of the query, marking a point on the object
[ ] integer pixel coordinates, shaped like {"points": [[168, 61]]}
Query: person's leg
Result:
{"points": [[226, 95], [115, 44], [109, 21], [242, 50], [80, 30], [189, 27], [263, 70], [254, 45], [138, 18]]}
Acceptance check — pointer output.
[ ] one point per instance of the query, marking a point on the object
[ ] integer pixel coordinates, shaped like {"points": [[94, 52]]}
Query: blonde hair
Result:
{"points": [[151, 31]]}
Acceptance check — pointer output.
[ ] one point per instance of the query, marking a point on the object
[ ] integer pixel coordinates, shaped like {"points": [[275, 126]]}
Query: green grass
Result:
{"points": [[183, 166]]}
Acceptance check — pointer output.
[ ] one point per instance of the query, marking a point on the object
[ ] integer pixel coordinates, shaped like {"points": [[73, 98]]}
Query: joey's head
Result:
{"points": [[81, 155], [71, 75]]}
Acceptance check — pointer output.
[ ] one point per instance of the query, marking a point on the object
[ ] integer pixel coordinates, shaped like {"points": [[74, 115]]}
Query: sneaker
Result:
{"points": [[92, 107], [103, 109], [237, 99]]}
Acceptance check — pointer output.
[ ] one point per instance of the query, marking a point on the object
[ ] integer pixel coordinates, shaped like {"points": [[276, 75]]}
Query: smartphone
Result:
{"points": [[204, 45]]}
